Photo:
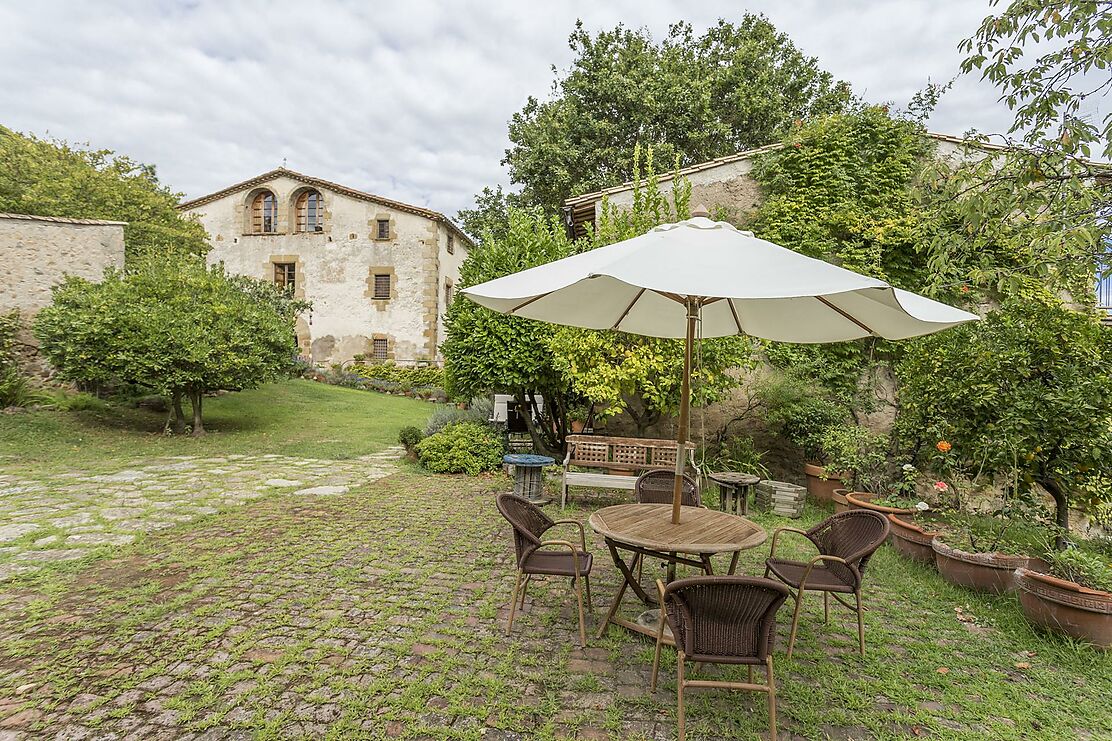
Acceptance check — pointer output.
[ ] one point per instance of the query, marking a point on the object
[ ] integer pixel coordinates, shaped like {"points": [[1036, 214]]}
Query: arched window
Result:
{"points": [[310, 211], [264, 213]]}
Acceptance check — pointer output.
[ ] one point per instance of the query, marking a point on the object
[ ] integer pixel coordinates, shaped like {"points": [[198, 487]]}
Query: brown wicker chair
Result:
{"points": [[721, 620], [529, 524], [655, 487], [845, 543]]}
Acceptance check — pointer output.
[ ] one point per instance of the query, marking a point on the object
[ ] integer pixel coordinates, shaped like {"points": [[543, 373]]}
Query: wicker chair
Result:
{"points": [[845, 543], [655, 487], [529, 524], [721, 620]]}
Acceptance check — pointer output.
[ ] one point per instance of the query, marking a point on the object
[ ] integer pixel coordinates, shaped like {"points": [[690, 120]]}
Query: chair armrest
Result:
{"points": [[567, 458], [776, 536], [564, 543], [815, 562], [582, 530]]}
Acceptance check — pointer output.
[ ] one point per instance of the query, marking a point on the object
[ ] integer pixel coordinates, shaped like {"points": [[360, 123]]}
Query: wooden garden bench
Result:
{"points": [[632, 454]]}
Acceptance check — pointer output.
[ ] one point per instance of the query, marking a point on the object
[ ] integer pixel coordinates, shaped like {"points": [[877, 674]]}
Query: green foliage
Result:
{"points": [[490, 218], [410, 436], [479, 411], [856, 453], [692, 98], [637, 375], [466, 447], [740, 454], [800, 410], [488, 352], [840, 190], [53, 178], [15, 388], [1087, 569], [171, 325], [1026, 393], [406, 377]]}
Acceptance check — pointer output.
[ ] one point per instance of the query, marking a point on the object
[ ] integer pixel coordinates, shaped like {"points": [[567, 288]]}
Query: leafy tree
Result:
{"points": [[642, 376], [171, 325], [692, 97], [1025, 391], [53, 178], [490, 352], [490, 218]]}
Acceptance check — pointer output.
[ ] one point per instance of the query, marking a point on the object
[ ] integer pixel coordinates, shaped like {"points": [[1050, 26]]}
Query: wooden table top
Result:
{"points": [[732, 478], [701, 530]]}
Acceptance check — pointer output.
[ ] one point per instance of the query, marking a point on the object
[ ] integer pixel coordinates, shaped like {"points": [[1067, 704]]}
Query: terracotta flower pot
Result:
{"points": [[981, 572], [911, 541], [577, 425], [821, 490], [862, 500], [1065, 606], [841, 504]]}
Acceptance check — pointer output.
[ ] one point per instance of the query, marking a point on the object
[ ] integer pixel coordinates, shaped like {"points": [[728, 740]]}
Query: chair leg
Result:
{"points": [[679, 697], [771, 700], [587, 584], [656, 654], [513, 603], [750, 667], [579, 600], [795, 621], [860, 623], [826, 608], [524, 589]]}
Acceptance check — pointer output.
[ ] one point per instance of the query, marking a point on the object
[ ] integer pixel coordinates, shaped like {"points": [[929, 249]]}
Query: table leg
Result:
{"points": [[745, 491], [707, 565], [627, 572], [733, 562]]}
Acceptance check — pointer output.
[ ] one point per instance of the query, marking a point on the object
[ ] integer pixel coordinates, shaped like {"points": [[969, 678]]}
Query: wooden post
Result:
{"points": [[685, 404]]}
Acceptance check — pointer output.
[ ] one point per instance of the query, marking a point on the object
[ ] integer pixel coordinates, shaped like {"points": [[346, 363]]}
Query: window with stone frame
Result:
{"points": [[381, 287], [285, 275], [380, 348], [448, 294], [451, 243], [382, 229], [310, 211], [264, 213]]}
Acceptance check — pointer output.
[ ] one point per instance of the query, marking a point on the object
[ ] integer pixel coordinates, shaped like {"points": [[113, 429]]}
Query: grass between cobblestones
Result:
{"points": [[379, 613]]}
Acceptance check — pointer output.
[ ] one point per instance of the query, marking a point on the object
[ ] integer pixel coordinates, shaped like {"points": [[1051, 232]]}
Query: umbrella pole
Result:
{"points": [[685, 405]]}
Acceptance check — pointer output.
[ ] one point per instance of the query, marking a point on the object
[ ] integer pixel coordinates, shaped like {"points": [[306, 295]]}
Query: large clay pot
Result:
{"points": [[1065, 606], [821, 490], [841, 504], [911, 541], [862, 500], [981, 572], [577, 425]]}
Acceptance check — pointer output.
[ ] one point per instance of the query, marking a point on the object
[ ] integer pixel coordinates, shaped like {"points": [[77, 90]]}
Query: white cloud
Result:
{"points": [[409, 100]]}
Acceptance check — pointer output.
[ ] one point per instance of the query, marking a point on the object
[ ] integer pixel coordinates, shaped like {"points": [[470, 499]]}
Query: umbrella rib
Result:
{"points": [[523, 304], [733, 310], [628, 308], [847, 316]]}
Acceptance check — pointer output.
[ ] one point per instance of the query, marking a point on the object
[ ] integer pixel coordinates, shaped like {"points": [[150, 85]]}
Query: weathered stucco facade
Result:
{"points": [[376, 271]]}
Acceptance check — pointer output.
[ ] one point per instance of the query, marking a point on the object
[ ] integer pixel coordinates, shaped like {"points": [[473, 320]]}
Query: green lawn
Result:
{"points": [[298, 418]]}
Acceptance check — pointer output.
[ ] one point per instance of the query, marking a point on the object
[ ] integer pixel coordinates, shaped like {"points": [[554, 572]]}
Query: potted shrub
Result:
{"points": [[802, 418], [577, 417], [1075, 598], [860, 455]]}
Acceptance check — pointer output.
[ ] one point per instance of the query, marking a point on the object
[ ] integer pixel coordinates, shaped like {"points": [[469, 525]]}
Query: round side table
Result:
{"points": [[529, 475], [734, 490]]}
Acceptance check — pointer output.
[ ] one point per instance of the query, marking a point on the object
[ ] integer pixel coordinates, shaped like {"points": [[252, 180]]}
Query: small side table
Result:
{"points": [[529, 475], [734, 490]]}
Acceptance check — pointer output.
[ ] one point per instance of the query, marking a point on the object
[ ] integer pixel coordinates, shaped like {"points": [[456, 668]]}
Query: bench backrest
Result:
{"points": [[631, 453]]}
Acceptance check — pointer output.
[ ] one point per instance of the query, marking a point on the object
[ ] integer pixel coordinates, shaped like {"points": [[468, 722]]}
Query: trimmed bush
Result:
{"points": [[406, 378], [410, 436], [466, 447]]}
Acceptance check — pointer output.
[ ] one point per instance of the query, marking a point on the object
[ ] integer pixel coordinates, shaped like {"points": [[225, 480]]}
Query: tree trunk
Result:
{"points": [[542, 443], [179, 415], [1061, 511], [195, 397]]}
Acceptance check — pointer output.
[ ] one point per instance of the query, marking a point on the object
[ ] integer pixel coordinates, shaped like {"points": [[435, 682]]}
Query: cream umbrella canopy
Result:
{"points": [[663, 282]]}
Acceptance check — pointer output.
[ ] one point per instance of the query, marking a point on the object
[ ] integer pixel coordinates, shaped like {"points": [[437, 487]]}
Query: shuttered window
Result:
{"points": [[382, 286], [310, 212], [383, 229], [285, 275], [264, 213], [451, 244]]}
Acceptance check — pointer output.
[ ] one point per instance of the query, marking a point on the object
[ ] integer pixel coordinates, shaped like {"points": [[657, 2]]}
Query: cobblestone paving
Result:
{"points": [[379, 613], [68, 516]]}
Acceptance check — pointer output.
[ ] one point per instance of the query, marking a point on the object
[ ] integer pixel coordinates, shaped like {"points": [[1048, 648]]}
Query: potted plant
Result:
{"points": [[1075, 598], [860, 455], [577, 416], [802, 419]]}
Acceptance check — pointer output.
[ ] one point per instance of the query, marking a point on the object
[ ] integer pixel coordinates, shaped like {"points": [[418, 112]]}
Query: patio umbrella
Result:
{"points": [[661, 283]]}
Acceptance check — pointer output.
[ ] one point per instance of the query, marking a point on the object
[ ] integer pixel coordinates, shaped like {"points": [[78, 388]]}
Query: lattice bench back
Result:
{"points": [[632, 453]]}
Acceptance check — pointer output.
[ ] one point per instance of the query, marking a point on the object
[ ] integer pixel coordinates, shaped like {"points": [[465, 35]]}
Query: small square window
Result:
{"points": [[285, 275], [448, 294], [379, 349], [382, 286], [451, 243], [383, 230]]}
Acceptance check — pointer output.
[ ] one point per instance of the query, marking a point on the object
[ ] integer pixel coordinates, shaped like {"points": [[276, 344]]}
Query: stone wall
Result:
{"points": [[39, 252], [336, 269]]}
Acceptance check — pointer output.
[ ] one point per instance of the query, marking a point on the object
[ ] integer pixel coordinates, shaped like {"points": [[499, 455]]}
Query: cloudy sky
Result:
{"points": [[405, 99]]}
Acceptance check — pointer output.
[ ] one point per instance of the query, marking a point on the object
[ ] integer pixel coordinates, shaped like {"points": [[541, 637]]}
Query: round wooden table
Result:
{"points": [[647, 530], [734, 490]]}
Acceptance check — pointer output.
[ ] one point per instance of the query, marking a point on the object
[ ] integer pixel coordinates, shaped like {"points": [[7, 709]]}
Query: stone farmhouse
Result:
{"points": [[40, 251], [380, 273]]}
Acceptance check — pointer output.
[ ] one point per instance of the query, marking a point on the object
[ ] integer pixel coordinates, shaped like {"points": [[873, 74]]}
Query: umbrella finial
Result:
{"points": [[701, 210]]}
